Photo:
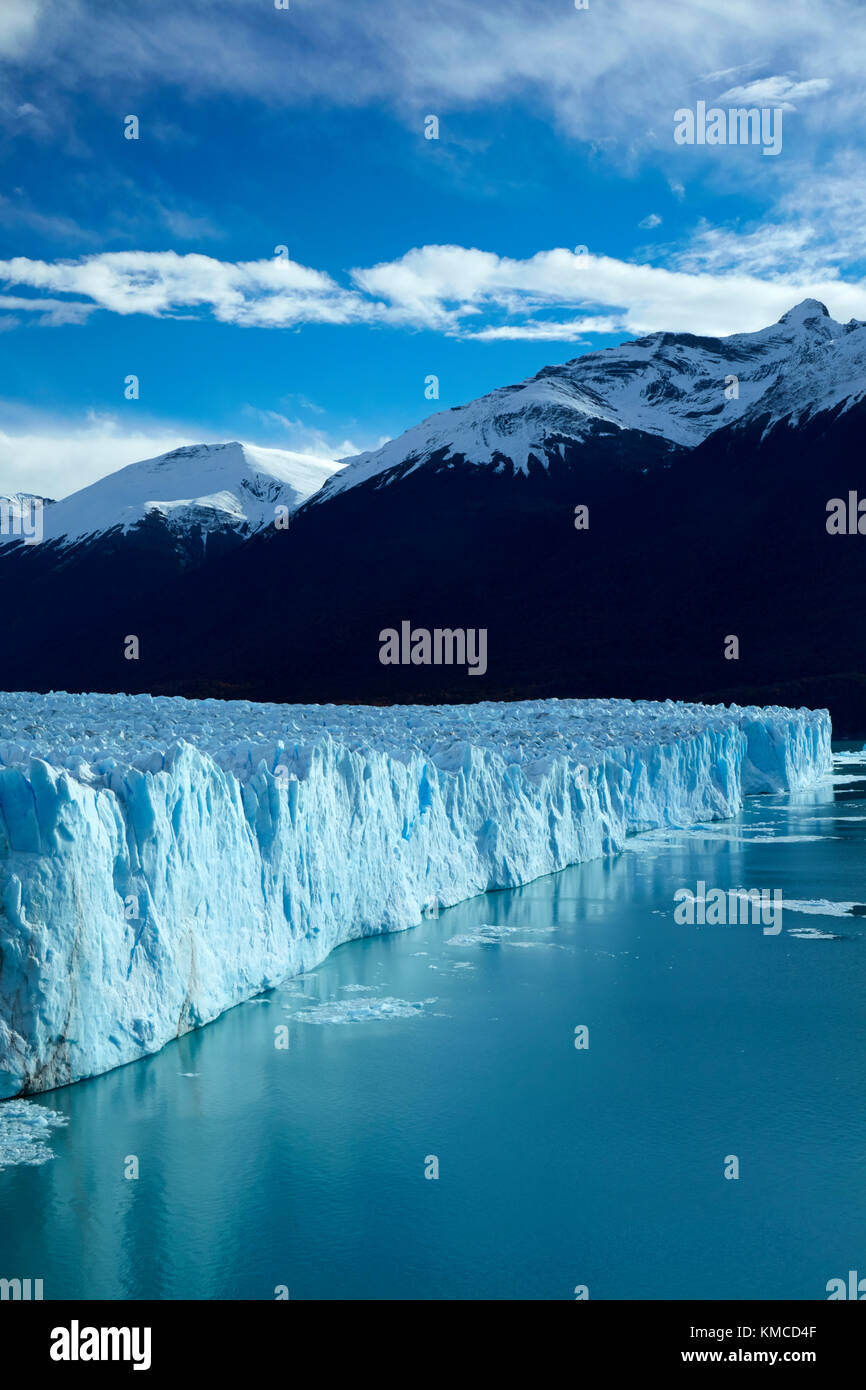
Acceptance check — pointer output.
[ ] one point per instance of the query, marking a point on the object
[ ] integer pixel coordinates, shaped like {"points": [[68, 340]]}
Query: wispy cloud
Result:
{"points": [[776, 91], [548, 331], [17, 213], [45, 311], [19, 24], [723, 284], [53, 456], [594, 73], [443, 286], [304, 438], [266, 293], [815, 228]]}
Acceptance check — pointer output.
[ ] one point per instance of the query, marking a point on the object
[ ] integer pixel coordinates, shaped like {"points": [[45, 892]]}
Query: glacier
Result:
{"points": [[163, 859]]}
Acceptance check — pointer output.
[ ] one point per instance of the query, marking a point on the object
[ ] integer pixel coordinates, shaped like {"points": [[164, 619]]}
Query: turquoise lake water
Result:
{"points": [[304, 1167]]}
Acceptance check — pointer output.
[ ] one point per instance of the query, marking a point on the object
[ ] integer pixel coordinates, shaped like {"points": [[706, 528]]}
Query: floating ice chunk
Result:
{"points": [[788, 839], [500, 936], [481, 936], [813, 934], [821, 907], [345, 1011], [25, 1133]]}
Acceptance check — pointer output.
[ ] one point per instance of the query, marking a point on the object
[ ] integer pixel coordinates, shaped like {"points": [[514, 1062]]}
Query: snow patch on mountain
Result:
{"points": [[162, 860]]}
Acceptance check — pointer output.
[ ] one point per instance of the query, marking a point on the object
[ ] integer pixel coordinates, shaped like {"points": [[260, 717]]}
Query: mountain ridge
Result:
{"points": [[676, 385], [228, 487]]}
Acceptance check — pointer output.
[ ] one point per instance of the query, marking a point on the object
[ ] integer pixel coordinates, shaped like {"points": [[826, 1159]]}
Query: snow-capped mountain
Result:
{"points": [[610, 525], [202, 488], [671, 385]]}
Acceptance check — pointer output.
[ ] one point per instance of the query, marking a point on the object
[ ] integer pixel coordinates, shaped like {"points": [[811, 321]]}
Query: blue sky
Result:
{"points": [[408, 256]]}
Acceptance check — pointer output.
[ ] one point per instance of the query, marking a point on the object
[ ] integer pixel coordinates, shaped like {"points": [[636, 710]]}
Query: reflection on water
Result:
{"points": [[263, 1164]]}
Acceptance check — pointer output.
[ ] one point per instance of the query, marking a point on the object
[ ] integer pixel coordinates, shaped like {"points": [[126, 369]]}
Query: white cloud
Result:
{"points": [[652, 220], [596, 73], [266, 293], [54, 457], [307, 439], [547, 331], [19, 23], [776, 91], [814, 228], [17, 213], [730, 72], [433, 283], [51, 312], [724, 283]]}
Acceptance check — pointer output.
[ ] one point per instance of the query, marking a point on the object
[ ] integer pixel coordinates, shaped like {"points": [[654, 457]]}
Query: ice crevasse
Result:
{"points": [[162, 860]]}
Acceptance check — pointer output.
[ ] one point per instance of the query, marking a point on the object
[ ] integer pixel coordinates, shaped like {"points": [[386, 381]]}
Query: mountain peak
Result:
{"points": [[804, 311], [670, 385], [197, 487]]}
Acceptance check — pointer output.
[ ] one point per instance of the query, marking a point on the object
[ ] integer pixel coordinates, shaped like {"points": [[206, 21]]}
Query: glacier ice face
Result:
{"points": [[162, 860]]}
